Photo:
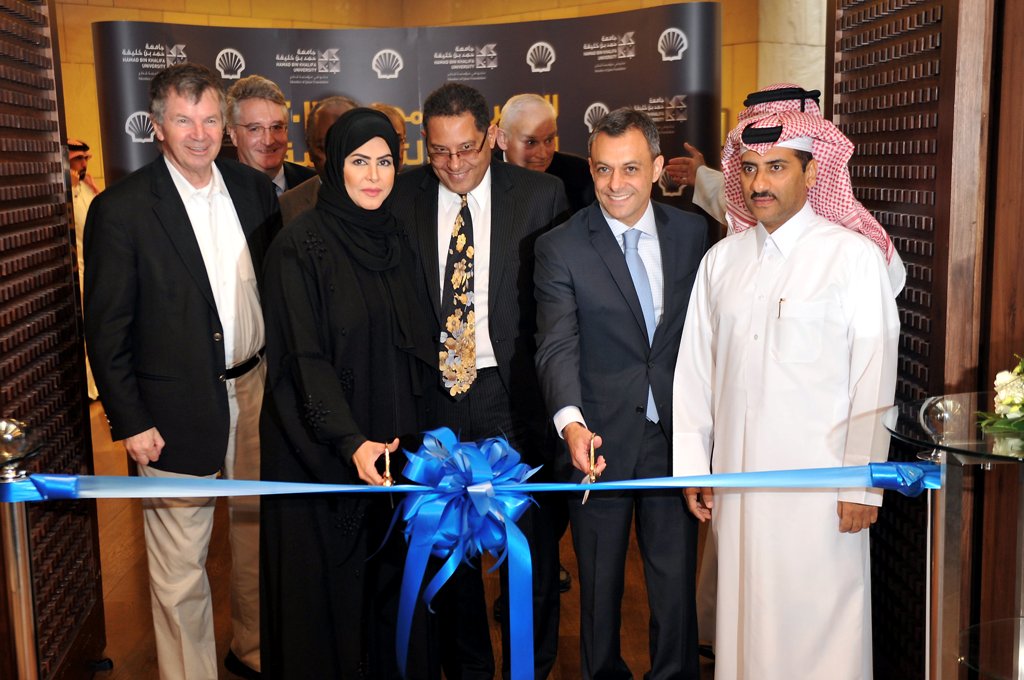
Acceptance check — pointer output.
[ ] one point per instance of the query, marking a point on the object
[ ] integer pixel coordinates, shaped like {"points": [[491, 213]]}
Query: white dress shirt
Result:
{"points": [[228, 263]]}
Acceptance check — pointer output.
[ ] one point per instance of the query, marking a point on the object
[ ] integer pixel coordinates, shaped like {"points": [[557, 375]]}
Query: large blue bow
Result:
{"points": [[474, 502]]}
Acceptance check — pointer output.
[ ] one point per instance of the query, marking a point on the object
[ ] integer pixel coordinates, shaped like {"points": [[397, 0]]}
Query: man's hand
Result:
{"points": [[683, 170], [700, 501], [365, 460], [145, 447], [578, 438], [853, 516]]}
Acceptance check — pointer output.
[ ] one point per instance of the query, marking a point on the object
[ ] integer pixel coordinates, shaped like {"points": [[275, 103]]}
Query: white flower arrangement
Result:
{"points": [[1008, 416]]}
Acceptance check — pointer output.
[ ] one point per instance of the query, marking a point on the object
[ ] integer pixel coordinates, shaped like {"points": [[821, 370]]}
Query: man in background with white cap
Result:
{"points": [[787, 361]]}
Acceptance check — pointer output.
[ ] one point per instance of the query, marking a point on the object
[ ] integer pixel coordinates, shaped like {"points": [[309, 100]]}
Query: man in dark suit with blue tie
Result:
{"points": [[612, 287], [473, 222]]}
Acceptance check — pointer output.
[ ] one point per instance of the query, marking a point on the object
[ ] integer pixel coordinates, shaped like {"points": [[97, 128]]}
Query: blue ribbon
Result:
{"points": [[477, 493], [466, 499]]}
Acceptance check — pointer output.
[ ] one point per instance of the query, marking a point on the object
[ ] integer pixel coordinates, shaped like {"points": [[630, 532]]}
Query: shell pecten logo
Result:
{"points": [[139, 127], [671, 44], [387, 64], [230, 63], [593, 115], [540, 57]]}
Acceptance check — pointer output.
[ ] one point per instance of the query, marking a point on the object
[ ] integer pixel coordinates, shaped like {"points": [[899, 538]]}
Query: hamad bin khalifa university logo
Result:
{"points": [[487, 56], [175, 54], [328, 61]]}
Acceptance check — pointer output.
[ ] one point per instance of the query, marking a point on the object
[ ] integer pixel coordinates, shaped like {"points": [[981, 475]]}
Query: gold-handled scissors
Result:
{"points": [[388, 479], [591, 476]]}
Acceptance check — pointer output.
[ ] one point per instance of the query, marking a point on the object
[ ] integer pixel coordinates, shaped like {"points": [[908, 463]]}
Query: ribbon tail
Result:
{"points": [[520, 601], [412, 578], [442, 576]]}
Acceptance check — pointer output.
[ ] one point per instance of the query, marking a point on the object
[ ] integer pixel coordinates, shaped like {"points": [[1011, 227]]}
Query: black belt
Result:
{"points": [[238, 370]]}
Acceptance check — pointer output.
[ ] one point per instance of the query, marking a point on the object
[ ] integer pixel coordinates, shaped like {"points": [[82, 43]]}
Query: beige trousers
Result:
{"points": [[178, 534]]}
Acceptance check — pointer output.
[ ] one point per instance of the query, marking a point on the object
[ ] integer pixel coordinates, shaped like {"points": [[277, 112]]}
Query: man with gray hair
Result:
{"points": [[612, 288], [174, 328], [258, 126], [321, 117], [527, 134]]}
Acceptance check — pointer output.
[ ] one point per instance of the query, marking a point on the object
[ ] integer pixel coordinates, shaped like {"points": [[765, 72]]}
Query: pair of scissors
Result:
{"points": [[591, 476], [388, 479]]}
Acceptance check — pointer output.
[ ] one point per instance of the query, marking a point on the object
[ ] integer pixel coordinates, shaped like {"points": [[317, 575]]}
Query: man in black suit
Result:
{"points": [[473, 223], [258, 125], [527, 134], [612, 286], [175, 333]]}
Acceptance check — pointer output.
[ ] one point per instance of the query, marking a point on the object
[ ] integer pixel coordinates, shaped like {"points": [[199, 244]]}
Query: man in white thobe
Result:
{"points": [[83, 190], [787, 360]]}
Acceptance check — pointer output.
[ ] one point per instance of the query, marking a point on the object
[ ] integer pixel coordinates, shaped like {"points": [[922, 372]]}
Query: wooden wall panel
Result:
{"points": [[1004, 333], [41, 354], [909, 85]]}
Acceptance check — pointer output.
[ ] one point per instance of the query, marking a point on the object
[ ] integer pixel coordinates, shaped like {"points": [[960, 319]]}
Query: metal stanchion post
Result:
{"points": [[14, 534]]}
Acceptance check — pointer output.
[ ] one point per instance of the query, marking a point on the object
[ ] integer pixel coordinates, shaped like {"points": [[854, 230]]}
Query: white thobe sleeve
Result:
{"points": [[692, 388], [873, 334], [709, 192], [897, 273]]}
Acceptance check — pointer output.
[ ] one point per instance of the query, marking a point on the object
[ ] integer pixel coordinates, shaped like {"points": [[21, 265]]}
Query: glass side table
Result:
{"points": [[946, 429]]}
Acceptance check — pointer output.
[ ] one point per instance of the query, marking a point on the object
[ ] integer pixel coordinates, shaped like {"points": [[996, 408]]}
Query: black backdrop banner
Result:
{"points": [[664, 60]]}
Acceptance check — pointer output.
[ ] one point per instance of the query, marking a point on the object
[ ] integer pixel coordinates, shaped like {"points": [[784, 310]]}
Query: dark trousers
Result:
{"points": [[667, 535], [461, 610]]}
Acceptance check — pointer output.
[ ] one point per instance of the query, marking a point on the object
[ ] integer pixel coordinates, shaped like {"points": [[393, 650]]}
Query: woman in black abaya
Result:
{"points": [[346, 344]]}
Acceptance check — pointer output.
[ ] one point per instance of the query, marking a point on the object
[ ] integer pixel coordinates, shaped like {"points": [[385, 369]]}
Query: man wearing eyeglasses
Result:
{"points": [[258, 126], [473, 222]]}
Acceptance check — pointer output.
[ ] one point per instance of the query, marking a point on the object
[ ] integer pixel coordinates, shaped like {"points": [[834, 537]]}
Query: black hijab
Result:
{"points": [[371, 236], [374, 238]]}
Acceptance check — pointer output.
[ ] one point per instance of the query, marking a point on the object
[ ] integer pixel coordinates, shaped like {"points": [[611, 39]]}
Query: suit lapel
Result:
{"points": [[607, 247], [426, 236], [248, 211], [668, 241], [502, 225], [170, 211]]}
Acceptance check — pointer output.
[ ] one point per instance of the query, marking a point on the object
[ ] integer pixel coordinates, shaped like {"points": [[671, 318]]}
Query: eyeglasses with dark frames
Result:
{"points": [[466, 153]]}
